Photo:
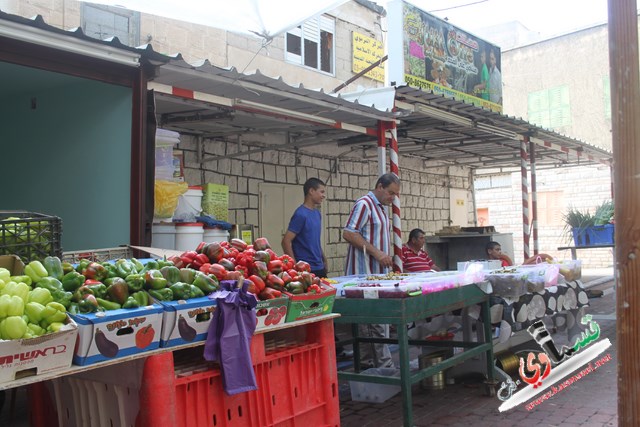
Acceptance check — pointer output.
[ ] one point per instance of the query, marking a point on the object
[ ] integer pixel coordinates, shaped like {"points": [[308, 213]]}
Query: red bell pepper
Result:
{"points": [[272, 254], [213, 251], [285, 277], [314, 289], [227, 263], [275, 266], [261, 243], [275, 282], [269, 293], [201, 247], [258, 282], [262, 256], [234, 275], [287, 262], [303, 266], [199, 261], [259, 268], [219, 271], [242, 269], [205, 268], [239, 244]]}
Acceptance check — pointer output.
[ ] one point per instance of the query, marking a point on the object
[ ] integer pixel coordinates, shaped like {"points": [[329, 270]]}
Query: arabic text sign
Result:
{"points": [[366, 51]]}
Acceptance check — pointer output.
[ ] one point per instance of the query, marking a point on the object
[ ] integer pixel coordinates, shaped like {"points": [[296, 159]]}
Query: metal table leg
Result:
{"points": [[405, 374]]}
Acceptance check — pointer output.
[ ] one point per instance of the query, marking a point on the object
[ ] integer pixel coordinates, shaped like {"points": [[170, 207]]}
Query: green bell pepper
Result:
{"points": [[207, 283], [118, 290], [72, 281], [18, 289], [80, 293], [95, 271], [50, 283], [112, 270], [36, 271], [135, 282], [22, 279], [171, 273], [12, 328], [185, 291], [97, 288], [53, 265], [34, 310], [82, 265], [40, 295], [187, 275], [73, 308], [88, 303], [131, 302], [52, 312], [137, 264], [125, 268], [164, 262], [67, 267], [108, 305], [142, 297], [62, 297], [154, 279], [165, 294]]}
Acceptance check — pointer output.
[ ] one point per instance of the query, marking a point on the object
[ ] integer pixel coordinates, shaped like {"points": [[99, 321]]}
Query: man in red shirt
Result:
{"points": [[414, 258]]}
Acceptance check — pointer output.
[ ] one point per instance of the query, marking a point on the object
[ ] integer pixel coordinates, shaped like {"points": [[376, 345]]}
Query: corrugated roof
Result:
{"points": [[215, 102]]}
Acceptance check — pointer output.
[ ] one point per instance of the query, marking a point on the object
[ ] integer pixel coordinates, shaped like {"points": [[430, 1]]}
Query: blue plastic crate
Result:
{"points": [[581, 236], [601, 234]]}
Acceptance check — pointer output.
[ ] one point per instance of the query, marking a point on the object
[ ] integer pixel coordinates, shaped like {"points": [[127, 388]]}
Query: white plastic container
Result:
{"points": [[215, 235], [163, 235], [189, 205], [166, 140], [188, 236]]}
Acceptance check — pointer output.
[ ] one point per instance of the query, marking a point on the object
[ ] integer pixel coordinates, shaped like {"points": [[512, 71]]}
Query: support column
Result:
{"points": [[625, 110], [525, 199], [534, 195], [397, 224], [382, 148]]}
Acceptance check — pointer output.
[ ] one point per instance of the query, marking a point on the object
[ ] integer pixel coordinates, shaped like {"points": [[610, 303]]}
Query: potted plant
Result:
{"points": [[587, 229]]}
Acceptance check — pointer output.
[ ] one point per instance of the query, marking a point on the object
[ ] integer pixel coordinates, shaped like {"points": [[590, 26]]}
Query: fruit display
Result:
{"points": [[270, 274]]}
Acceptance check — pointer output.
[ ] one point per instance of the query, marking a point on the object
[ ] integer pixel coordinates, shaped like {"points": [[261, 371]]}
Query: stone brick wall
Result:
{"points": [[582, 188], [424, 199]]}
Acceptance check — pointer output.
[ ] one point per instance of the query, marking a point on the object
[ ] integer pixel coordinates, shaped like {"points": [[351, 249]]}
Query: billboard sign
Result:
{"points": [[429, 53]]}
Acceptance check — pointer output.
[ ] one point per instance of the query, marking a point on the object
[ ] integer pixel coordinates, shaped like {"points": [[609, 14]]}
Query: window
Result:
{"points": [[492, 181], [550, 108], [311, 44], [102, 22], [550, 206]]}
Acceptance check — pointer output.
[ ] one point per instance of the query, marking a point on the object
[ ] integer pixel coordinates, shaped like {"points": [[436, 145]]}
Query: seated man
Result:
{"points": [[414, 258], [494, 251]]}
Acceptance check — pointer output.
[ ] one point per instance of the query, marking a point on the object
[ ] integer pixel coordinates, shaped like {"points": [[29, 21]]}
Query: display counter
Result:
{"points": [[447, 250], [402, 311]]}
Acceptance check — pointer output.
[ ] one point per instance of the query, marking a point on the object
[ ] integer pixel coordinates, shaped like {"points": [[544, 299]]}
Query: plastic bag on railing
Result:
{"points": [[230, 333], [166, 194]]}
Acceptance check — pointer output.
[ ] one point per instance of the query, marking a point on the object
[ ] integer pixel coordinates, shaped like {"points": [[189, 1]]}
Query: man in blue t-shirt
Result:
{"points": [[302, 239]]}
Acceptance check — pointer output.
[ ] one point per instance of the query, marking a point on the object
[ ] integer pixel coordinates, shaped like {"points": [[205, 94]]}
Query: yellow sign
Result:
{"points": [[366, 51]]}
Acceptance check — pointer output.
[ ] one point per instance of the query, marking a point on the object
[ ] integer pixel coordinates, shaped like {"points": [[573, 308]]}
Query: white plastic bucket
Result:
{"points": [[163, 236], [215, 235], [188, 236], [189, 205]]}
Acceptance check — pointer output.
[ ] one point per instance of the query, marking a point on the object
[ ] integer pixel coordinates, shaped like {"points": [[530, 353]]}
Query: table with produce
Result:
{"points": [[61, 318]]}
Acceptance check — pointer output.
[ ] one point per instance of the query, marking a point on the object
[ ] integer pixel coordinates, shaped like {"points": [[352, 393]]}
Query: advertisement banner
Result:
{"points": [[442, 58]]}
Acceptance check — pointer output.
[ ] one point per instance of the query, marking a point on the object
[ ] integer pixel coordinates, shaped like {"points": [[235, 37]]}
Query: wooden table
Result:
{"points": [[400, 312]]}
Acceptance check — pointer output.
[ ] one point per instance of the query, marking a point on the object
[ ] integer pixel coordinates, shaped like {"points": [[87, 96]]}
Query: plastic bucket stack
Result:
{"points": [[189, 205], [188, 236], [213, 234], [165, 142], [163, 235]]}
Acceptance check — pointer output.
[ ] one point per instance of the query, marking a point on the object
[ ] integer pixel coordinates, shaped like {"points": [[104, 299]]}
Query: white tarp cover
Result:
{"points": [[265, 18]]}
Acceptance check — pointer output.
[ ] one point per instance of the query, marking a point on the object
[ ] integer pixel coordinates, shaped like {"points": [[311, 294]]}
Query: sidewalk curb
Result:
{"points": [[598, 281]]}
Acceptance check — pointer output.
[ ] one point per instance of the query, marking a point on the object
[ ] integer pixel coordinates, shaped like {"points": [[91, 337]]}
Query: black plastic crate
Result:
{"points": [[30, 235]]}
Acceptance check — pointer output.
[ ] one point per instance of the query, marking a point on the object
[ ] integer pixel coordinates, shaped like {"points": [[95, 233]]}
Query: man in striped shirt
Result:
{"points": [[414, 258], [367, 232]]}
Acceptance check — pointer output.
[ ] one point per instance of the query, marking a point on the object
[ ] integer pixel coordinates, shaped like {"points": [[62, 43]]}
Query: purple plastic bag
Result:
{"points": [[229, 337]]}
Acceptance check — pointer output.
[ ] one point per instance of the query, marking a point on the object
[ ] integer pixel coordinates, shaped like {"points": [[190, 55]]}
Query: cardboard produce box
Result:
{"points": [[186, 321], [271, 312], [310, 305], [39, 355], [111, 334]]}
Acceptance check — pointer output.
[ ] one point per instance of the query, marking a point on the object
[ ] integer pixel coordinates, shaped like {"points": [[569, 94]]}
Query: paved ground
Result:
{"points": [[591, 401]]}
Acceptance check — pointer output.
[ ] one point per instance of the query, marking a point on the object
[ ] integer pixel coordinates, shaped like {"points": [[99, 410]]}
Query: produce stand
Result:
{"points": [[400, 312], [295, 379]]}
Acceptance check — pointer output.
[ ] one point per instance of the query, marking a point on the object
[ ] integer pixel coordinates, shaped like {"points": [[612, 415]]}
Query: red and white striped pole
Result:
{"points": [[525, 199], [397, 225]]}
